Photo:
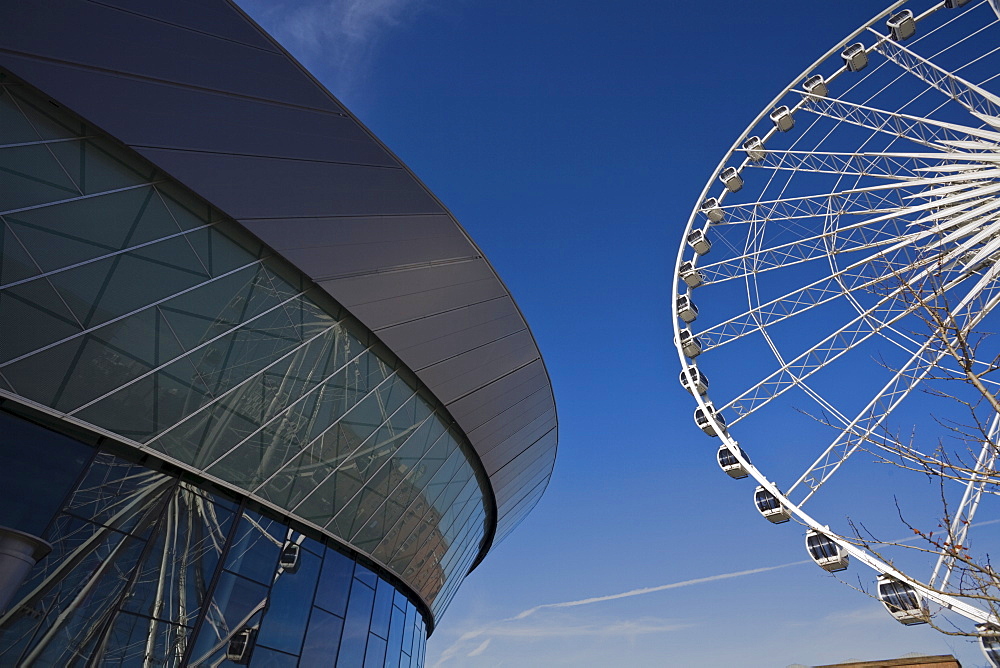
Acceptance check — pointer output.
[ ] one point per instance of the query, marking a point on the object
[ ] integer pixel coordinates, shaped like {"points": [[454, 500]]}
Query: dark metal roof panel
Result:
{"points": [[92, 35], [158, 114], [396, 296], [197, 15], [202, 92], [263, 187]]}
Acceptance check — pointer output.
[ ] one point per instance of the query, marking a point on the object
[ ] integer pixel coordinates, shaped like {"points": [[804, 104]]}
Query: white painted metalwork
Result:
{"points": [[855, 272]]}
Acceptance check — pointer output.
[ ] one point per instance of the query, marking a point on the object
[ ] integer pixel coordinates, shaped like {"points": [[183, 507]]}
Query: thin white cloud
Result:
{"points": [[335, 39], [482, 648], [511, 626]]}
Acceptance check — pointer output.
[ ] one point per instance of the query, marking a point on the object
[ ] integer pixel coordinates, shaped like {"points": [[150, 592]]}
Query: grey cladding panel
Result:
{"points": [[328, 262], [433, 339], [390, 298], [197, 15], [358, 233], [507, 423], [102, 37], [470, 371], [528, 432], [476, 408], [165, 115], [246, 187]]}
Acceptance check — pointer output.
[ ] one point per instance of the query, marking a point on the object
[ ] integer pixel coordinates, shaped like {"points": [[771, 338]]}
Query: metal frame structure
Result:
{"points": [[864, 192]]}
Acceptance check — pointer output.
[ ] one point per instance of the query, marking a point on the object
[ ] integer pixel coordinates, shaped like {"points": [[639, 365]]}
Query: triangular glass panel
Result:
{"points": [[16, 128], [48, 119], [77, 231], [32, 177], [15, 262], [32, 316], [98, 165]]}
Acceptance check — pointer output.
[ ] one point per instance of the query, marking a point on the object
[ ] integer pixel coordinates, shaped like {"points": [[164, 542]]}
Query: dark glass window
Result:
{"points": [[39, 470], [359, 614], [322, 639], [288, 608]]}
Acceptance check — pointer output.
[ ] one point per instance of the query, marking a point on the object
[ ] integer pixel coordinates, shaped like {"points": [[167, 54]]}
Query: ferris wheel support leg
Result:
{"points": [[958, 530]]}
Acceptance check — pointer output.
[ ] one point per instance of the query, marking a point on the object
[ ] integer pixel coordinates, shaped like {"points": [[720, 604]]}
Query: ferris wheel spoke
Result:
{"points": [[975, 100], [885, 312], [974, 306], [923, 131], [823, 291], [873, 200], [950, 210], [863, 428]]}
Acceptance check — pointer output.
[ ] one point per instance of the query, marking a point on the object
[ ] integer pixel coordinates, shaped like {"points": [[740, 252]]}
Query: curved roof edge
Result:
{"points": [[212, 99]]}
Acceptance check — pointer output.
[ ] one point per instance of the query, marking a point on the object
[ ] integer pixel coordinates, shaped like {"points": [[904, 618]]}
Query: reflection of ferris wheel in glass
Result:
{"points": [[845, 269]]}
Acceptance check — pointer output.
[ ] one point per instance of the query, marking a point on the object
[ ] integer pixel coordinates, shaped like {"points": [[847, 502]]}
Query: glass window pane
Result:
{"points": [[335, 582], [322, 639], [359, 613], [288, 608]]}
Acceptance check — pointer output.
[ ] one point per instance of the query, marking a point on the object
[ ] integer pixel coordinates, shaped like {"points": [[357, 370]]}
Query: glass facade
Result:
{"points": [[132, 307], [149, 569]]}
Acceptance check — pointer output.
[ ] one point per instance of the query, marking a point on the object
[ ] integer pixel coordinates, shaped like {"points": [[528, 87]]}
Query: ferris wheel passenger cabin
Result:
{"points": [[855, 57], [902, 601], [710, 207], [902, 25], [686, 309], [770, 507], [693, 380], [699, 242], [691, 276], [825, 552], [690, 344], [816, 86], [782, 118], [989, 642], [708, 419], [731, 178], [729, 463], [755, 149]]}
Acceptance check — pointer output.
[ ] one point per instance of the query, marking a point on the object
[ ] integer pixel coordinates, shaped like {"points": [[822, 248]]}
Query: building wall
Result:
{"points": [[149, 567], [203, 93], [132, 307]]}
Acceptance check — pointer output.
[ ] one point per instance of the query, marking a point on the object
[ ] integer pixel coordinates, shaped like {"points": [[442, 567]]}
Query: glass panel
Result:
{"points": [[382, 609], [32, 315], [83, 602], [288, 608], [263, 657], [16, 128], [64, 234], [335, 582], [32, 176], [98, 164], [236, 603], [359, 612], [322, 639], [133, 639], [255, 548], [39, 470], [173, 579], [395, 637], [375, 653], [15, 262]]}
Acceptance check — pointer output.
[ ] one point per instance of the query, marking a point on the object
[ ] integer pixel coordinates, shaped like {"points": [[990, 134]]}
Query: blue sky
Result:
{"points": [[571, 139]]}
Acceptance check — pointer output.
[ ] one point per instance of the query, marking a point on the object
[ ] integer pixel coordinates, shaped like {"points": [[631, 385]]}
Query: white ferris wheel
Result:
{"points": [[838, 281]]}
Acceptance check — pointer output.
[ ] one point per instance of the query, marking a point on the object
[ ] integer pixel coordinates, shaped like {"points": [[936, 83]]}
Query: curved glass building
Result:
{"points": [[262, 400]]}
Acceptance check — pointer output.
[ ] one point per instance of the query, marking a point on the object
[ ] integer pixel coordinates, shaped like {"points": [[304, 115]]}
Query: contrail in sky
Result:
{"points": [[650, 590], [453, 649]]}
